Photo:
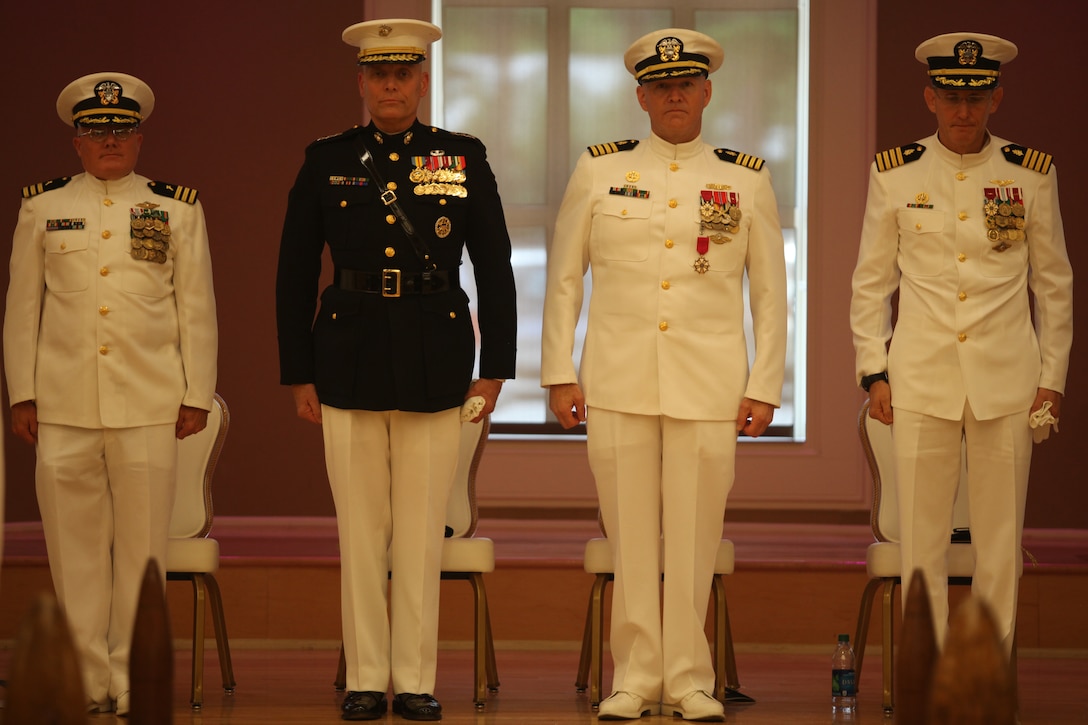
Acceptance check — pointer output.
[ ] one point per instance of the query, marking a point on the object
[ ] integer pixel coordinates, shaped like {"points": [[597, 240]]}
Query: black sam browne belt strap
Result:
{"points": [[389, 198]]}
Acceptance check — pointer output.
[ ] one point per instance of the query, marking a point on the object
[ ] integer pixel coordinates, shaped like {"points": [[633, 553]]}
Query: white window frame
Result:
{"points": [[559, 171]]}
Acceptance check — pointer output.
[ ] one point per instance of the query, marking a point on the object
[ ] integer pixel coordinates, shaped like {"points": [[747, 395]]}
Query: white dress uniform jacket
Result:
{"points": [[964, 330], [663, 339], [94, 336]]}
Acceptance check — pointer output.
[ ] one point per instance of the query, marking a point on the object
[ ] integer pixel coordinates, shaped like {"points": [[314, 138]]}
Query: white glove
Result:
{"points": [[472, 408], [1040, 422]]}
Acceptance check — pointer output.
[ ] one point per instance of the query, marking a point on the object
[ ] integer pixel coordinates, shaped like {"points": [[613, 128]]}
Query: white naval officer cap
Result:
{"points": [[965, 61], [673, 53], [105, 98], [397, 40]]}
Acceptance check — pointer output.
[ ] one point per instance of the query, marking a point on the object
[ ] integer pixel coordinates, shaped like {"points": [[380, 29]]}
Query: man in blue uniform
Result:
{"points": [[386, 365], [963, 224]]}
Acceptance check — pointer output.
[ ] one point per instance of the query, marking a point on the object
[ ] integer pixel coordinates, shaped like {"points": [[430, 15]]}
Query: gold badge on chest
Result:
{"points": [[442, 227]]}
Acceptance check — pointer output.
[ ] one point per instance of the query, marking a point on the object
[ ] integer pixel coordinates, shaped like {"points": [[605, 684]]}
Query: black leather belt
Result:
{"points": [[394, 283]]}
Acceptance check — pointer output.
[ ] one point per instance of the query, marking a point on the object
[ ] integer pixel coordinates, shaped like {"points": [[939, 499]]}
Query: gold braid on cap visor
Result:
{"points": [[120, 115], [665, 70], [954, 77], [392, 55]]}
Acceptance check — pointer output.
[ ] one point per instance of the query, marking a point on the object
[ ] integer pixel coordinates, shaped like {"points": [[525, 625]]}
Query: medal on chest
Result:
{"points": [[1005, 215], [439, 175], [149, 232], [719, 216]]}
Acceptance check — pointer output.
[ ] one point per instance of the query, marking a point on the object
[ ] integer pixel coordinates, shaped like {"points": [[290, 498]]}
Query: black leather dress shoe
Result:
{"points": [[417, 707], [363, 706]]}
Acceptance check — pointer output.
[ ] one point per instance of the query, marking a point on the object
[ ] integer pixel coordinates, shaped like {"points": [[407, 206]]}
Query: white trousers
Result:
{"points": [[928, 466], [661, 477], [390, 474], [105, 497]]}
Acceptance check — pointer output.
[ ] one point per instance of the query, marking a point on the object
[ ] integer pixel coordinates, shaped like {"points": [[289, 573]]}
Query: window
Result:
{"points": [[538, 82]]}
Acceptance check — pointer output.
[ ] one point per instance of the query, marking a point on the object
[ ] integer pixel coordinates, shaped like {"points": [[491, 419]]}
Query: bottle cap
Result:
{"points": [[844, 638]]}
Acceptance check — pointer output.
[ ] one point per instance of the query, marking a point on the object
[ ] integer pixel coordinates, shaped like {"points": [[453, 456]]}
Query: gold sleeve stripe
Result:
{"points": [[35, 189], [174, 191], [751, 162], [184, 193], [898, 156], [1028, 158], [602, 149], [740, 159], [1037, 161], [889, 159]]}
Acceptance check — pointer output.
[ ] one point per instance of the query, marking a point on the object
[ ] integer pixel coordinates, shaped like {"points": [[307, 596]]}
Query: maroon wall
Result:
{"points": [[243, 86], [241, 89]]}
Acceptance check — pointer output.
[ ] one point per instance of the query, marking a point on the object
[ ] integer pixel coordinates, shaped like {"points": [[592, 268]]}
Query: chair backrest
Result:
{"points": [[876, 440], [461, 513], [197, 456]]}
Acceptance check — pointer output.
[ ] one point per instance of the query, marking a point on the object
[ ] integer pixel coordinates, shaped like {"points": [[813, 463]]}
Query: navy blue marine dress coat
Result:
{"points": [[366, 348]]}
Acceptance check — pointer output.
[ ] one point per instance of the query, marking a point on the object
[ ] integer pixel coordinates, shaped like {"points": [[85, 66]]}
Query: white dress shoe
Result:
{"points": [[699, 706], [624, 706]]}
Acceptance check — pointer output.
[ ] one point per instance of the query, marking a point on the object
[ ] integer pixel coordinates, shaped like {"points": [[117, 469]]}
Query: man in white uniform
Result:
{"points": [[110, 347], [963, 224], [669, 226]]}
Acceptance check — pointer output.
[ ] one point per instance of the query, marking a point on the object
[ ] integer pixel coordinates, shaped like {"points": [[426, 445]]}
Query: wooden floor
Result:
{"points": [[280, 581], [295, 686]]}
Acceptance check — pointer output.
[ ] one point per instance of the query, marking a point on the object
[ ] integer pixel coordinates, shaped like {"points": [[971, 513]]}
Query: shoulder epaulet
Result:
{"points": [[438, 132], [181, 193], [35, 189], [602, 149], [740, 159], [898, 156], [1028, 158], [335, 136]]}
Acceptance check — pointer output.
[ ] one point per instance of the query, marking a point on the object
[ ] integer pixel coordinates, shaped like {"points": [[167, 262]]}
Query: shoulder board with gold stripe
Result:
{"points": [[892, 158], [35, 189], [1028, 158], [601, 149], [181, 193], [740, 159]]}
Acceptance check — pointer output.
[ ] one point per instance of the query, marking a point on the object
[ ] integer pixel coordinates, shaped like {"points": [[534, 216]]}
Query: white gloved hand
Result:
{"points": [[472, 408], [1040, 422]]}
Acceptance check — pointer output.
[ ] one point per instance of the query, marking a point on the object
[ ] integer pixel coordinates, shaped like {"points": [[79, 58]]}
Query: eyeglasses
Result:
{"points": [[973, 100], [98, 135]]}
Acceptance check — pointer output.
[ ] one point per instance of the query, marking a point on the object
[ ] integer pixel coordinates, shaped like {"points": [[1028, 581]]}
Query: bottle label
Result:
{"points": [[843, 683]]}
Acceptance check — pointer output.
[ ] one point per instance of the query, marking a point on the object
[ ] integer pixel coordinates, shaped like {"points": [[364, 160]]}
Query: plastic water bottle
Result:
{"points": [[844, 687]]}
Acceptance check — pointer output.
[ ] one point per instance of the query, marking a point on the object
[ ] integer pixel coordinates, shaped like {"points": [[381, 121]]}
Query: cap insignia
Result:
{"points": [[968, 52], [384, 31], [669, 49], [108, 92]]}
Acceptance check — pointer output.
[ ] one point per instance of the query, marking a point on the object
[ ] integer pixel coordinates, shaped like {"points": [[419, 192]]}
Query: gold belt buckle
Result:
{"points": [[390, 283]]}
